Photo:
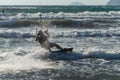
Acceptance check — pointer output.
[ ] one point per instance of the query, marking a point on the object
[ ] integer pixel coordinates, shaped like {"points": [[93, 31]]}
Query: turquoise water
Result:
{"points": [[56, 9]]}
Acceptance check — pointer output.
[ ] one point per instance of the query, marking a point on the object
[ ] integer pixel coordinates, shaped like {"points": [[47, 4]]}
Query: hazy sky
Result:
{"points": [[51, 2]]}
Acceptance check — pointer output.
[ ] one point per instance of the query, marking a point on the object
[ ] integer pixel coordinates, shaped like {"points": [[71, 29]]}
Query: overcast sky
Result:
{"points": [[51, 2]]}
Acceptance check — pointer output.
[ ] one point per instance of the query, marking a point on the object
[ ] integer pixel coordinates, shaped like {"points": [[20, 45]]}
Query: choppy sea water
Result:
{"points": [[93, 57], [94, 36]]}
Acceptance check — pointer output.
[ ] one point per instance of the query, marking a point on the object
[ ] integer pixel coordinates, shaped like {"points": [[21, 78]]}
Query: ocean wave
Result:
{"points": [[88, 53], [22, 60], [86, 14], [85, 23], [89, 34], [38, 57], [62, 19], [60, 23], [17, 7], [76, 56], [15, 34], [94, 53], [73, 34]]}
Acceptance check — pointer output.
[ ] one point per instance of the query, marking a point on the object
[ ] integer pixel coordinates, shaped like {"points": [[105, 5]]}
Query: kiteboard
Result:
{"points": [[65, 50]]}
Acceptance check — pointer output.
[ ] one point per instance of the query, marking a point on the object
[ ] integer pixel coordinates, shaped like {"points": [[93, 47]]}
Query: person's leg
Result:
{"points": [[56, 45]]}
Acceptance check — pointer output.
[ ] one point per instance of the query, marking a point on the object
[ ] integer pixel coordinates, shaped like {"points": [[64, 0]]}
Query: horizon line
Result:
{"points": [[59, 5]]}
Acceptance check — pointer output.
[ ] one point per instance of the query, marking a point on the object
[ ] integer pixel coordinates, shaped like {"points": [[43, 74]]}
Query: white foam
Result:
{"points": [[15, 34], [84, 16], [89, 33], [24, 62], [11, 33]]}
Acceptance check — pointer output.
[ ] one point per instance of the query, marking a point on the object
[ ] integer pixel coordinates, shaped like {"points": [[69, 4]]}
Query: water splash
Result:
{"points": [[16, 61]]}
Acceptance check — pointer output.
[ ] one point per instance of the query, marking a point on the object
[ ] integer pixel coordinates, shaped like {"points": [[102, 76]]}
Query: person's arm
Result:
{"points": [[37, 37], [46, 31]]}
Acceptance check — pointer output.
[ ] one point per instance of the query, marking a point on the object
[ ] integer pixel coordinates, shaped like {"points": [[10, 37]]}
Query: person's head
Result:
{"points": [[40, 15], [40, 32]]}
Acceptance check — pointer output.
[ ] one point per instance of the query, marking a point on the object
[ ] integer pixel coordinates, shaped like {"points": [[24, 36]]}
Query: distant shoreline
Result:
{"points": [[50, 5]]}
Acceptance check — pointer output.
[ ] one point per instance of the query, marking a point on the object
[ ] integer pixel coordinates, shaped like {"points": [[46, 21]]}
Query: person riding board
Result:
{"points": [[42, 38]]}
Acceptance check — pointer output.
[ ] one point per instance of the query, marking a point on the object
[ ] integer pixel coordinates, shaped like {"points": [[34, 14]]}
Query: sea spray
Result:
{"points": [[16, 61]]}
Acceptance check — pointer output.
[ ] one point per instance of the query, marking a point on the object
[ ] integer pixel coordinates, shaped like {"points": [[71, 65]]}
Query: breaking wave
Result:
{"points": [[22, 59], [86, 33], [62, 19], [73, 33], [15, 34]]}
